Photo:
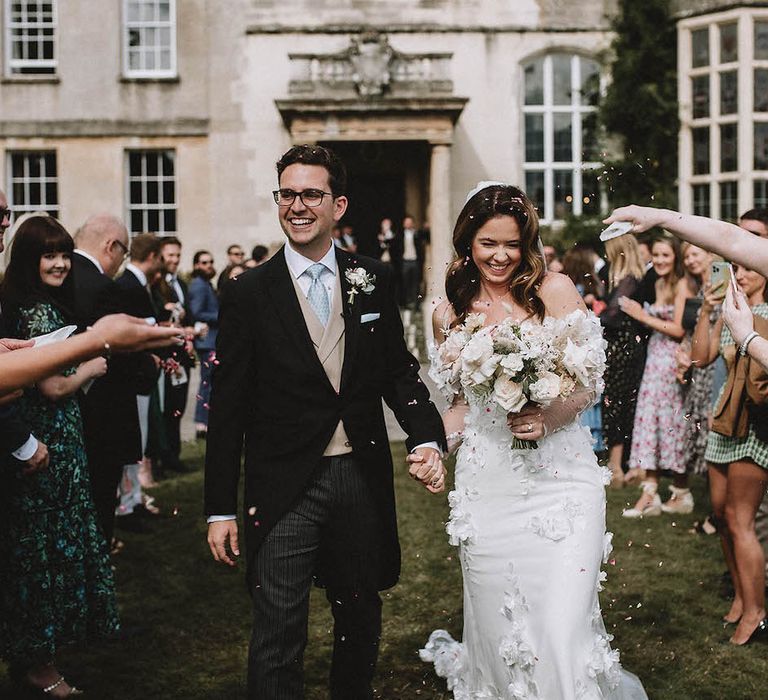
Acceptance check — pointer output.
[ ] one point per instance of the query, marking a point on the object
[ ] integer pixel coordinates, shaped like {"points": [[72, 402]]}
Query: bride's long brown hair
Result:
{"points": [[462, 282]]}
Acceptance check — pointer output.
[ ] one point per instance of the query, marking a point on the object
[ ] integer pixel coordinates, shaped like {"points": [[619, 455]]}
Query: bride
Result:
{"points": [[529, 523]]}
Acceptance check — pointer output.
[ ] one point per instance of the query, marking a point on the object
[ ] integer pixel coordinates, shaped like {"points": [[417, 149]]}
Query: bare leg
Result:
{"points": [[718, 488], [44, 676], [615, 453], [746, 486]]}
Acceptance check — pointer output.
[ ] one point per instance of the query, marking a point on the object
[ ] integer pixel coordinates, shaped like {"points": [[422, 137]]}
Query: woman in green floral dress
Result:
{"points": [[738, 473], [56, 585]]}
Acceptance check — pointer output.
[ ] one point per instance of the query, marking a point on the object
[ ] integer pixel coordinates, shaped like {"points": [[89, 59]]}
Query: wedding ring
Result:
{"points": [[530, 428]]}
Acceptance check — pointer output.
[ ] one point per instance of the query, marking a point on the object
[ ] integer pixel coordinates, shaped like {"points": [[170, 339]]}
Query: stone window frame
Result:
{"points": [[147, 206], [144, 26], [22, 67], [577, 111], [745, 177], [29, 193]]}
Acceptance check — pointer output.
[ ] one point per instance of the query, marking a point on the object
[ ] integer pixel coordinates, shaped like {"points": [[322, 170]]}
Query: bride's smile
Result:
{"points": [[496, 250]]}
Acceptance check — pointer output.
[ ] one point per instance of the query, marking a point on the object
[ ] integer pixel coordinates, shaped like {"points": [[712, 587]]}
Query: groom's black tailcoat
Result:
{"points": [[272, 395]]}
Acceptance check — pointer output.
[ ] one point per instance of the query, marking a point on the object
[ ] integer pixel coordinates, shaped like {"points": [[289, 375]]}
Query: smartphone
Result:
{"points": [[720, 276]]}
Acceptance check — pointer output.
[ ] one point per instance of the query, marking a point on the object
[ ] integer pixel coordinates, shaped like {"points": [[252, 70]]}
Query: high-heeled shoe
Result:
{"points": [[760, 633], [651, 508]]}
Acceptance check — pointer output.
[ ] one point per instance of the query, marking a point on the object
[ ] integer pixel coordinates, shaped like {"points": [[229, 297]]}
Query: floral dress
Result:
{"points": [[659, 433], [57, 583]]}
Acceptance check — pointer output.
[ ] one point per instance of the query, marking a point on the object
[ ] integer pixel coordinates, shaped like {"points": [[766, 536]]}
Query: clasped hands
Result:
{"points": [[426, 466]]}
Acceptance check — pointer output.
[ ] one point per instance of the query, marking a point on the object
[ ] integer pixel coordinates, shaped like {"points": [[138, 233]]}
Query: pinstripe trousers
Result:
{"points": [[281, 579]]}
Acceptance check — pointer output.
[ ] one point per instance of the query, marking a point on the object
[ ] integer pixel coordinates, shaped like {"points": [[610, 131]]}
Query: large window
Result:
{"points": [[32, 182], [151, 191], [724, 132], [30, 37], [561, 144], [149, 38]]}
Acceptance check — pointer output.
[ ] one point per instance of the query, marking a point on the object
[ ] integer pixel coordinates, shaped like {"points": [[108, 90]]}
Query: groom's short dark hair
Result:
{"points": [[312, 154]]}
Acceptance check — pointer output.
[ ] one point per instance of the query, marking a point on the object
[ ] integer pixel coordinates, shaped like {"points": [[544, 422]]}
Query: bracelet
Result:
{"points": [[106, 353], [745, 343]]}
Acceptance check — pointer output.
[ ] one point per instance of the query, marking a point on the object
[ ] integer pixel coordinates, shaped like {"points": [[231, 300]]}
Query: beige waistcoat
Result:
{"points": [[329, 345]]}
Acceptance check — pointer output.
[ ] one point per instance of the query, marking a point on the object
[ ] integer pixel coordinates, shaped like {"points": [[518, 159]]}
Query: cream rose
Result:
{"points": [[546, 389], [508, 394]]}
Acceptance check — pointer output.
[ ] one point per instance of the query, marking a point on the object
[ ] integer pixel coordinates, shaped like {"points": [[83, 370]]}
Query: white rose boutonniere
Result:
{"points": [[360, 280]]}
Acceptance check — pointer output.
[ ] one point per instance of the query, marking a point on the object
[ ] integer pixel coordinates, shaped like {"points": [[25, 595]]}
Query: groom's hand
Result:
{"points": [[426, 466], [218, 534]]}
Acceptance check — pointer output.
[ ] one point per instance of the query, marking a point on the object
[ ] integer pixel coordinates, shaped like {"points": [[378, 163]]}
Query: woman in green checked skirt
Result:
{"points": [[738, 473]]}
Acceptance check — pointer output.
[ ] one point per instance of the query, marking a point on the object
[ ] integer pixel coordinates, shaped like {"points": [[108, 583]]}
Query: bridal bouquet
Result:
{"points": [[512, 363]]}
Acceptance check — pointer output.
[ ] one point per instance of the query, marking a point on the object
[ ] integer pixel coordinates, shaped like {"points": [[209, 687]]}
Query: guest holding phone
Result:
{"points": [[737, 452]]}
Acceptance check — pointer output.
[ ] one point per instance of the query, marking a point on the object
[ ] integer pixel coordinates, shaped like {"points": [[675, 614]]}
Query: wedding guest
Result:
{"points": [[110, 416], [56, 581], [348, 240], [696, 381], [204, 304], [235, 256], [144, 265], [658, 434], [737, 452], [229, 273], [625, 357], [410, 266], [171, 295], [259, 255], [755, 221], [552, 258]]}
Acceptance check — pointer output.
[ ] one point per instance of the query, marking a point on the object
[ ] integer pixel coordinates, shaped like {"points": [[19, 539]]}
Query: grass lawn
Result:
{"points": [[189, 618]]}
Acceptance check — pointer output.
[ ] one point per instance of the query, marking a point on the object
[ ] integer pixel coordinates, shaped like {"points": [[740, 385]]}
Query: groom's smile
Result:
{"points": [[309, 228]]}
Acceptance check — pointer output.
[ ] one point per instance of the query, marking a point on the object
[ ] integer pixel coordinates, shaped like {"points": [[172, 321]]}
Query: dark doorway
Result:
{"points": [[380, 174]]}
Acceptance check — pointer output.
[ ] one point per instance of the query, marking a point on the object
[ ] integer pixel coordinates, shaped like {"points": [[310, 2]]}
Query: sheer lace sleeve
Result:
{"points": [[444, 369], [583, 360]]}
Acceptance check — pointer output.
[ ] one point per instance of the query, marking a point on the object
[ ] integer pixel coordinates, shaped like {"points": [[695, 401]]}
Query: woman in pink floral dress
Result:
{"points": [[659, 433]]}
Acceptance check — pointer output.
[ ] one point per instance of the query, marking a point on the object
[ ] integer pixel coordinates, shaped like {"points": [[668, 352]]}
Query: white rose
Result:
{"points": [[508, 394], [478, 350], [512, 363], [474, 322], [485, 371], [575, 361], [546, 389]]}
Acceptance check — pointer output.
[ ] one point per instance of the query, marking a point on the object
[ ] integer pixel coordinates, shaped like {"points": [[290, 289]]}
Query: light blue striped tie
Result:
{"points": [[317, 296]]}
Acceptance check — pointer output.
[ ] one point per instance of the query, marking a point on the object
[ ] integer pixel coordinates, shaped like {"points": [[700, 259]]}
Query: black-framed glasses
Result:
{"points": [[123, 247], [5, 212], [309, 198]]}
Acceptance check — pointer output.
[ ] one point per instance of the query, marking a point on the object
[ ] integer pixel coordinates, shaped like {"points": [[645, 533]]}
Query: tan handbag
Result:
{"points": [[745, 395]]}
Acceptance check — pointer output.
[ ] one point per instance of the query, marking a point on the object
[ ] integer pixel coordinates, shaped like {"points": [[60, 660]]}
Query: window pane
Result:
{"points": [[563, 181], [700, 150], [151, 164], [729, 152], [729, 44], [590, 193], [589, 138], [534, 138], [700, 47], [153, 220], [729, 92], [153, 192], [761, 41], [561, 79], [729, 196], [701, 200], [169, 220], [563, 137], [133, 11], [761, 90], [168, 192], [590, 82], [534, 83], [167, 158], [700, 90], [534, 188], [137, 223], [51, 193], [761, 145], [761, 193]]}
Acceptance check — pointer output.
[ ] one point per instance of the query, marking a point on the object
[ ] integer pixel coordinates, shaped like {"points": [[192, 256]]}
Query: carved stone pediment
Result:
{"points": [[370, 68]]}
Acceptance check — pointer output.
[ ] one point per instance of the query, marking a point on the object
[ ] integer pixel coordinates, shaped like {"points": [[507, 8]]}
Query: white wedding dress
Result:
{"points": [[530, 527]]}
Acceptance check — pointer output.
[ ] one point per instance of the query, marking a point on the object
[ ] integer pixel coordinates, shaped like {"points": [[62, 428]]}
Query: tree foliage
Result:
{"points": [[640, 106]]}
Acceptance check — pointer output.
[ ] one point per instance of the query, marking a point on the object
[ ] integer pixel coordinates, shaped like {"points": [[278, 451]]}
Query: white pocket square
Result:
{"points": [[367, 318]]}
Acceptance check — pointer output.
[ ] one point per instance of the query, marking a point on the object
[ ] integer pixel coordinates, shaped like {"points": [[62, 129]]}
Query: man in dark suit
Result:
{"points": [[172, 302], [110, 418], [141, 270], [18, 447], [309, 344]]}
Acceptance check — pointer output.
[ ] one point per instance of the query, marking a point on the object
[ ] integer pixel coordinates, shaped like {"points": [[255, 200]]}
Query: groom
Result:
{"points": [[309, 344]]}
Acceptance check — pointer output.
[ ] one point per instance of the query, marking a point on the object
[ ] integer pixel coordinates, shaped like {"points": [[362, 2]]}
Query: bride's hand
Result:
{"points": [[527, 424]]}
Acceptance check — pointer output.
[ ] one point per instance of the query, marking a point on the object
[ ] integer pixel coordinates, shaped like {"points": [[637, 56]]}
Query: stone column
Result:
{"points": [[441, 249]]}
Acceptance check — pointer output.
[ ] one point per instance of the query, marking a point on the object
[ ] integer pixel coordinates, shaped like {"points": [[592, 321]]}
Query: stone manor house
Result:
{"points": [[171, 113]]}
